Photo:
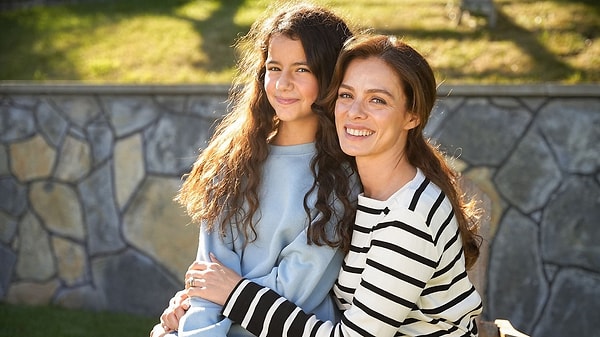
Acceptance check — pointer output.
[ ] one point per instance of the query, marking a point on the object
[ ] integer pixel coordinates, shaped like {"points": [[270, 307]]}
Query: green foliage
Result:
{"points": [[187, 41], [47, 321]]}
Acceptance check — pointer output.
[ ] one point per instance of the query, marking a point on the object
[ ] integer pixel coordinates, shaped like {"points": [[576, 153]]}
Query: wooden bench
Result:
{"points": [[498, 328]]}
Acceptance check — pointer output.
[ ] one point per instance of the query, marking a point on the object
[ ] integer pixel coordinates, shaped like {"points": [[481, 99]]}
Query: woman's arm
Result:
{"points": [[392, 281]]}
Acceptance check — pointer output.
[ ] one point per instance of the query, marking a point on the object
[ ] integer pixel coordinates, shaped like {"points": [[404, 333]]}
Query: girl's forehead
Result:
{"points": [[284, 44]]}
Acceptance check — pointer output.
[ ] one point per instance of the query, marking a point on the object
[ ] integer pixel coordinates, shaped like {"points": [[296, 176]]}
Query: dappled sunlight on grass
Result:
{"points": [[181, 41]]}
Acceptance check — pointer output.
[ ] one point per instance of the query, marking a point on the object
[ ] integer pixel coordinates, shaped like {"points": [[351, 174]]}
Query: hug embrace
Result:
{"points": [[323, 209]]}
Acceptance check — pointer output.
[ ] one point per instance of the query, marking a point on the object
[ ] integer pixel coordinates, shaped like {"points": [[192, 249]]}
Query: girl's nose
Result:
{"points": [[284, 82]]}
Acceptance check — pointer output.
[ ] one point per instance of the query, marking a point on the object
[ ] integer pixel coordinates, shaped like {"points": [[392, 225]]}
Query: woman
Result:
{"points": [[273, 191], [413, 238]]}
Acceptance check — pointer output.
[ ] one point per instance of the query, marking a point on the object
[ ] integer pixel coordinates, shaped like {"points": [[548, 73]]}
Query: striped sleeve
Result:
{"points": [[264, 313], [403, 276], [392, 281]]}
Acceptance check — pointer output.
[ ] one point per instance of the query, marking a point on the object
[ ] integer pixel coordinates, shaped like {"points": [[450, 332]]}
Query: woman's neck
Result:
{"points": [[381, 179]]}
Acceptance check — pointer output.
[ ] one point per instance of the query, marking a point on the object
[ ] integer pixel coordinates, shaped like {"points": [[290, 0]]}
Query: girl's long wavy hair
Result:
{"points": [[419, 87], [222, 188]]}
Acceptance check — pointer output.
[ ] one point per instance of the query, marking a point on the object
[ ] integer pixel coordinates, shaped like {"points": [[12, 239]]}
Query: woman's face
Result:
{"points": [[290, 85], [370, 112]]}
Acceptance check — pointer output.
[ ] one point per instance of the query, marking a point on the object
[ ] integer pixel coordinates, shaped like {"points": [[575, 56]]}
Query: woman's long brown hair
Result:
{"points": [[419, 86]]}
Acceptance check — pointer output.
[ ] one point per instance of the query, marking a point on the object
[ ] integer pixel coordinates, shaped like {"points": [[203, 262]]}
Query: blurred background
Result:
{"points": [[179, 41]]}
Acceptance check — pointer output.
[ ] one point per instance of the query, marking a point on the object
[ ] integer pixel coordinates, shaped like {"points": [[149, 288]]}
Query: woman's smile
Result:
{"points": [[359, 132]]}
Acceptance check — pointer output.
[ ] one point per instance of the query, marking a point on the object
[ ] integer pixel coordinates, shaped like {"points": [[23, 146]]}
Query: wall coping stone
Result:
{"points": [[464, 90], [7, 87]]}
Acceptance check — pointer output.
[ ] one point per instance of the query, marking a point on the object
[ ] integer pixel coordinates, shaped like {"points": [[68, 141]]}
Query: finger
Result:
{"points": [[185, 305], [171, 322], [179, 298], [192, 265], [166, 320], [196, 292], [195, 273], [214, 259], [179, 312], [199, 265]]}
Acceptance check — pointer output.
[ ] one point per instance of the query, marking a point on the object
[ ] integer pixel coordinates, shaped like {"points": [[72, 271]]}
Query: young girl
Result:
{"points": [[413, 239], [273, 191]]}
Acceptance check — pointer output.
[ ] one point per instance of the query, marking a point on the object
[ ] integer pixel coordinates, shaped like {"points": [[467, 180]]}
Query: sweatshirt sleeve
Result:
{"points": [[204, 317], [400, 260]]}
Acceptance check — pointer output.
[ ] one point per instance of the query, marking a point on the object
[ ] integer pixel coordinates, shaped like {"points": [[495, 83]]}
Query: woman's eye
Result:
{"points": [[303, 70], [344, 95], [272, 68], [378, 101]]}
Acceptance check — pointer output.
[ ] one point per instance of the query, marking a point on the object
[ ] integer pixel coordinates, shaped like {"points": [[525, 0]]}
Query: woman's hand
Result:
{"points": [[211, 281], [178, 305]]}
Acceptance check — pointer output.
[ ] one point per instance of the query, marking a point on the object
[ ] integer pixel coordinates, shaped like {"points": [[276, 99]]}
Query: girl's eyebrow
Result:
{"points": [[302, 63]]}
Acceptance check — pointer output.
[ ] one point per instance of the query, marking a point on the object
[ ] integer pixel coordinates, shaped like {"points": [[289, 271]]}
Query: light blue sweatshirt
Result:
{"points": [[280, 258]]}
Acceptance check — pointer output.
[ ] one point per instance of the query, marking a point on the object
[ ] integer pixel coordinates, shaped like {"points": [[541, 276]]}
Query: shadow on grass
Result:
{"points": [[39, 55], [216, 43], [549, 67], [29, 34]]}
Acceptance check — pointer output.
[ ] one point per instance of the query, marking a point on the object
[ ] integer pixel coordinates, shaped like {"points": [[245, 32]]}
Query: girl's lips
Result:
{"points": [[359, 132], [286, 101]]}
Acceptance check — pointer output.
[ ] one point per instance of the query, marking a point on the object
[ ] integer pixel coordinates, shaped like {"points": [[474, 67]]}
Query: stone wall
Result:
{"points": [[88, 173]]}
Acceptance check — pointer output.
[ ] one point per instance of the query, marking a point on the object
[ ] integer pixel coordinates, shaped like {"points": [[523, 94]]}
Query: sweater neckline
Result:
{"points": [[307, 148], [374, 203]]}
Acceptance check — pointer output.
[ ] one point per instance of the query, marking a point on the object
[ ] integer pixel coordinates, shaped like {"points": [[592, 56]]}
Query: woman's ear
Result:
{"points": [[412, 121]]}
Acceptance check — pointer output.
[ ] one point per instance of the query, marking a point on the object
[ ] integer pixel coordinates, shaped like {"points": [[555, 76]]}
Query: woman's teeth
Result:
{"points": [[359, 133]]}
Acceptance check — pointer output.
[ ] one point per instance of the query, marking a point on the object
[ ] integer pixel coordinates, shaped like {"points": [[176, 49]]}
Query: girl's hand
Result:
{"points": [[158, 331], [178, 305], [211, 281]]}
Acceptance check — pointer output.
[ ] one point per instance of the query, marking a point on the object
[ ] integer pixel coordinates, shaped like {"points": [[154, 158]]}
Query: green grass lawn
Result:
{"points": [[45, 321], [189, 41]]}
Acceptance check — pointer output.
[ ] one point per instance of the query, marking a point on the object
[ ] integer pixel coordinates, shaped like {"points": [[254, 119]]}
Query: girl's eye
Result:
{"points": [[272, 68], [303, 70], [344, 95]]}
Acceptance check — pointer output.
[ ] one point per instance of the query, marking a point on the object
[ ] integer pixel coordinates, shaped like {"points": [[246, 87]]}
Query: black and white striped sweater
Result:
{"points": [[404, 276]]}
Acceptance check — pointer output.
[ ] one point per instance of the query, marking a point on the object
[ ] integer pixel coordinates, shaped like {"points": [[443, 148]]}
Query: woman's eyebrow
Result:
{"points": [[380, 91], [369, 91]]}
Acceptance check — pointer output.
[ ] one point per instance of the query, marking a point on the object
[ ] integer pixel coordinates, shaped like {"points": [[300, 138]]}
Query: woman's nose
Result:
{"points": [[355, 110]]}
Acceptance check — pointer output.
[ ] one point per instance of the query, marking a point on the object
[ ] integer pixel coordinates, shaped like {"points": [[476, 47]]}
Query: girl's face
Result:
{"points": [[370, 111], [290, 85]]}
